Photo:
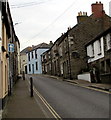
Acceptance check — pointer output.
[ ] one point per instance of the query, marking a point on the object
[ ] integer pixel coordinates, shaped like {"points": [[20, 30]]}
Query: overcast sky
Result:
{"points": [[44, 20]]}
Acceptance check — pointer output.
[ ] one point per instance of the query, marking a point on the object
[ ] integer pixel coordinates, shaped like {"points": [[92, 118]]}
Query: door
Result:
{"points": [[32, 68]]}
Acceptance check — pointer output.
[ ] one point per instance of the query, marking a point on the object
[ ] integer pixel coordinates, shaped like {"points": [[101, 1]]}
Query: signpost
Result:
{"points": [[10, 47]]}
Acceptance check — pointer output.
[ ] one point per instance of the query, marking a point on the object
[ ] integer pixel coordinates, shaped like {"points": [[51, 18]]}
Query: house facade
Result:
{"points": [[68, 54], [8, 60], [23, 60], [34, 65], [99, 53]]}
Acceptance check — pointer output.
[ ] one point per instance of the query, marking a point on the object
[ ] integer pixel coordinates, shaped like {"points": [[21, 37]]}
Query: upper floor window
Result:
{"points": [[108, 41], [60, 51], [35, 54], [70, 41], [32, 54], [90, 50], [29, 56], [99, 46]]}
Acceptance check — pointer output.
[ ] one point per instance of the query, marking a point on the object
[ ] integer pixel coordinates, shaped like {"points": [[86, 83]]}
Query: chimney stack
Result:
{"points": [[51, 43], [82, 16], [97, 10]]}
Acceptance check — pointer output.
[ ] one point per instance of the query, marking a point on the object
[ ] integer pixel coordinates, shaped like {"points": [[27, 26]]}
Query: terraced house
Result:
{"points": [[99, 52], [68, 54], [9, 60], [34, 65]]}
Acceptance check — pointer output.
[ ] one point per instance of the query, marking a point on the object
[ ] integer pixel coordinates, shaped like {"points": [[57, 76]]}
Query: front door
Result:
{"points": [[32, 68]]}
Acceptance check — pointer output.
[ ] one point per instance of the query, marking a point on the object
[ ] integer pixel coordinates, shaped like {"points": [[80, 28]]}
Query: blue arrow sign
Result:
{"points": [[10, 47]]}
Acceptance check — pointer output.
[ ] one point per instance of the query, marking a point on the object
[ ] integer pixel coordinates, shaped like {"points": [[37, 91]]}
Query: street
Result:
{"points": [[71, 101]]}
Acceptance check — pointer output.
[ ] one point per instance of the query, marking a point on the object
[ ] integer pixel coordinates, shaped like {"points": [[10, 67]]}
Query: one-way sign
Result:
{"points": [[10, 47]]}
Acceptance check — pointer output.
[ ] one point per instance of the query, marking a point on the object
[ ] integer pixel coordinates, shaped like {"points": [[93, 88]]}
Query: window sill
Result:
{"points": [[99, 53], [91, 57]]}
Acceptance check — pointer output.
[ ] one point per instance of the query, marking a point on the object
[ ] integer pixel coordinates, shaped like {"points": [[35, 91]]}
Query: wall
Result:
{"points": [[0, 53], [34, 60], [23, 62], [85, 76], [110, 8], [96, 55]]}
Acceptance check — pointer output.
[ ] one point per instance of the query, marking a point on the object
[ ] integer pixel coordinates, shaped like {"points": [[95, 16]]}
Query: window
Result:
{"points": [[32, 54], [29, 68], [36, 65], [60, 51], [92, 49], [71, 42], [102, 67], [108, 41], [35, 54], [49, 55], [99, 47], [29, 56], [61, 68], [108, 66]]}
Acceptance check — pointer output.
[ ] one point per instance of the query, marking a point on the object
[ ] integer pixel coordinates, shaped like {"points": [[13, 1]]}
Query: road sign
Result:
{"points": [[10, 47]]}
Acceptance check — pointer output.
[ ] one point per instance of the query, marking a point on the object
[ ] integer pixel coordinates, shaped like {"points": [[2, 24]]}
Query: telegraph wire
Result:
{"points": [[28, 4], [51, 23]]}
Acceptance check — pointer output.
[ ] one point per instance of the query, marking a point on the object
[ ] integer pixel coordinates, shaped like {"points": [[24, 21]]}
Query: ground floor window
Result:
{"points": [[29, 68], [36, 65]]}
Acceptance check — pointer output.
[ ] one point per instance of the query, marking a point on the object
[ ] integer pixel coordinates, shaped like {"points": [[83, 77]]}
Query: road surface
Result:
{"points": [[71, 101]]}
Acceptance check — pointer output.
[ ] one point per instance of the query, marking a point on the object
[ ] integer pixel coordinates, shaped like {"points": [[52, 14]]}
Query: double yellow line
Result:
{"points": [[53, 112], [91, 88]]}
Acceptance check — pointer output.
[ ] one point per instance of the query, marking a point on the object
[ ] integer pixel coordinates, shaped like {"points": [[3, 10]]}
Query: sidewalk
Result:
{"points": [[21, 105], [84, 83], [93, 85]]}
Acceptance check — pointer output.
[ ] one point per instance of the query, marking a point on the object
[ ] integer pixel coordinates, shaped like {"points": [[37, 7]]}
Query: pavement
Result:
{"points": [[84, 83], [21, 105], [0, 114]]}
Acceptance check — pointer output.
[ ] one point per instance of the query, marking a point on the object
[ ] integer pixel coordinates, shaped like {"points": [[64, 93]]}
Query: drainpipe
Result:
{"points": [[69, 59]]}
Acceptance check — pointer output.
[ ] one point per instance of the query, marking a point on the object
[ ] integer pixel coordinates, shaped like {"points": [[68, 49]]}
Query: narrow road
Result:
{"points": [[71, 101]]}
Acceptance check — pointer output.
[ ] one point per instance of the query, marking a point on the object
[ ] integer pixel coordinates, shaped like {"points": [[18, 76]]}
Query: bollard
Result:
{"points": [[23, 75], [31, 87]]}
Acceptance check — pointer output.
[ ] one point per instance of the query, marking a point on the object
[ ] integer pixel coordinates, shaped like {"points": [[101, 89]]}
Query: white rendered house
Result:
{"points": [[34, 64]]}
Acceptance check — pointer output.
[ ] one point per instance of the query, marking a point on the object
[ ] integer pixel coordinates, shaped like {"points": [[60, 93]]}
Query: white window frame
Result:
{"points": [[108, 41]]}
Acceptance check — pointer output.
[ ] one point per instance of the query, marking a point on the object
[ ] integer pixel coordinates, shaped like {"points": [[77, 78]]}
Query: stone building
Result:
{"points": [[68, 54]]}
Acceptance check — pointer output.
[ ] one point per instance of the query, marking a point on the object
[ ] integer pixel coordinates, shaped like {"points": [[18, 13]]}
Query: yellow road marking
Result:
{"points": [[56, 116], [91, 88], [47, 105]]}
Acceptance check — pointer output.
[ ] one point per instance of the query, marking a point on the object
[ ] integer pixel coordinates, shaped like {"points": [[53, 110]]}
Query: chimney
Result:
{"points": [[97, 10], [81, 17], [51, 43]]}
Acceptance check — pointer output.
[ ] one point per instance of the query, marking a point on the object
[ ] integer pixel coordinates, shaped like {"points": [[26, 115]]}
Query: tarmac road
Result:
{"points": [[71, 101]]}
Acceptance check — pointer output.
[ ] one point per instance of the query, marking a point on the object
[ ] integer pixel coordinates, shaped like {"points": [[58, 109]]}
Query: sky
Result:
{"points": [[37, 21]]}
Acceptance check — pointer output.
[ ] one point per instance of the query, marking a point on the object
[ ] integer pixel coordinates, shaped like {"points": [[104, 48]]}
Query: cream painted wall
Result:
{"points": [[0, 55], [23, 62], [4, 65]]}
